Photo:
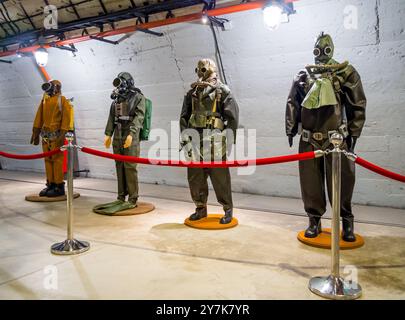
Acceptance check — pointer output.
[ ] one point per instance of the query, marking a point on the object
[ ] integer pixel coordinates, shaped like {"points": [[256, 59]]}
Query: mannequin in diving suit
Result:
{"points": [[325, 98], [54, 118], [210, 109], [124, 124]]}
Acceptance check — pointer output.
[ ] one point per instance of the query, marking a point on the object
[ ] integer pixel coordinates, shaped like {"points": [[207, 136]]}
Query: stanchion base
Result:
{"points": [[211, 222], [69, 247], [141, 208], [324, 240], [37, 198], [334, 288]]}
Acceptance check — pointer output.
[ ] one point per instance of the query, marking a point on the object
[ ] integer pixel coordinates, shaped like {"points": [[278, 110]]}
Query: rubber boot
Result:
{"points": [[58, 191], [227, 218], [49, 187], [314, 228], [134, 203], [348, 230], [199, 213]]}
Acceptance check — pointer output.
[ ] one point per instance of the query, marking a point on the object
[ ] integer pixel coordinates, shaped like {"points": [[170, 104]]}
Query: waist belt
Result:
{"points": [[50, 135], [124, 119], [316, 138], [307, 135], [208, 114]]}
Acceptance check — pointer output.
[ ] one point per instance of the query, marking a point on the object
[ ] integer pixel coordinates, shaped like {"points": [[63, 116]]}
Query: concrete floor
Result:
{"points": [[154, 256]]}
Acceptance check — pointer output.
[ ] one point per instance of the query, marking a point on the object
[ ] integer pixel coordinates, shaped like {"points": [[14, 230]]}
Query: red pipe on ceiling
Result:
{"points": [[149, 25]]}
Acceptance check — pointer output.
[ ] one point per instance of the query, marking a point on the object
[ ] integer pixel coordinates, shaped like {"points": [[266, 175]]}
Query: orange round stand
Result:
{"points": [[211, 223], [324, 240]]}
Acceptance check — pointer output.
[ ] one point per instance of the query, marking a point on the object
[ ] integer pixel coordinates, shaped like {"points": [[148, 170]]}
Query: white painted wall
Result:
{"points": [[259, 65]]}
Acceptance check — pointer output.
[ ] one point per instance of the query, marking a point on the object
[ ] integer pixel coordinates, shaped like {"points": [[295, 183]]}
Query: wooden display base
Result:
{"points": [[37, 198], [141, 208], [211, 223], [324, 240]]}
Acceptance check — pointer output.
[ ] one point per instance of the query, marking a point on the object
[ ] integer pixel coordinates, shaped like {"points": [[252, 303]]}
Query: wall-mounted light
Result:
{"points": [[41, 57], [276, 12]]}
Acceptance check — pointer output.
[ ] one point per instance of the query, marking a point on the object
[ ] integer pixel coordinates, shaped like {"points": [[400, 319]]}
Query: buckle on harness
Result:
{"points": [[343, 130], [317, 136], [305, 135]]}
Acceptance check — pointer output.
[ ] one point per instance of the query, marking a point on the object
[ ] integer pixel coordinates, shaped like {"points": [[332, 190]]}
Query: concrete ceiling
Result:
{"points": [[22, 21]]}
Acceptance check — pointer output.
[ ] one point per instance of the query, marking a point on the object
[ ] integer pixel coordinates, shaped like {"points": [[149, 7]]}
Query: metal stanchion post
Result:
{"points": [[334, 286], [70, 245]]}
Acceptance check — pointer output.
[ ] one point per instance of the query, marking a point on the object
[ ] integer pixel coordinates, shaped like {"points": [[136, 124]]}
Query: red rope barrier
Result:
{"points": [[216, 164], [379, 170], [29, 156]]}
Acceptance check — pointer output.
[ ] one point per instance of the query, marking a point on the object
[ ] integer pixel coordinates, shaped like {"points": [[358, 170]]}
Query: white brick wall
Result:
{"points": [[259, 65]]}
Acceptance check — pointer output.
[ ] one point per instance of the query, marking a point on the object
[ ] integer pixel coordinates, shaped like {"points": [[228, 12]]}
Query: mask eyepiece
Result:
{"points": [[117, 82], [47, 86], [317, 52], [327, 51]]}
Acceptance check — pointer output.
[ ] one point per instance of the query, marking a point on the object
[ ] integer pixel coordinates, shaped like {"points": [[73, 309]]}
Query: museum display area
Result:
{"points": [[202, 150]]}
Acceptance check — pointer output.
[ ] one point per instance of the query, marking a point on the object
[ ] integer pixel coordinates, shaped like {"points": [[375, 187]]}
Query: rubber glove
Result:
{"points": [[128, 141], [35, 136], [290, 140], [107, 141]]}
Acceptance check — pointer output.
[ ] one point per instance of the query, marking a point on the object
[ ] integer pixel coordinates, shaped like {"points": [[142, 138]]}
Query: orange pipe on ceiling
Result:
{"points": [[149, 25], [44, 73]]}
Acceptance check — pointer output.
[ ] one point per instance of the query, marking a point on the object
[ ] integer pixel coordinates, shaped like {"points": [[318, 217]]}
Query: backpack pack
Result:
{"points": [[145, 131]]}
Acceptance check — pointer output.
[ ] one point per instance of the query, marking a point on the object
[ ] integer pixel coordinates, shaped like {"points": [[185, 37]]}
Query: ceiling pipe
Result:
{"points": [[149, 25], [44, 73]]}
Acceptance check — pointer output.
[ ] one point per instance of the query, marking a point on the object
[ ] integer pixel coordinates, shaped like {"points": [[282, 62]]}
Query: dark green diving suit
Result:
{"points": [[124, 123], [211, 112], [325, 98]]}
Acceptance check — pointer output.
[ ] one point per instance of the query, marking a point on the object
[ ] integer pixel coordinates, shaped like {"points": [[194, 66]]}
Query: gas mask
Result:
{"points": [[323, 50], [124, 84], [52, 88], [206, 70]]}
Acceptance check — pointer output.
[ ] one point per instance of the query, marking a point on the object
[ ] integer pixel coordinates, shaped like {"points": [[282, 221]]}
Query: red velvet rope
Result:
{"points": [[379, 170], [29, 156], [217, 164]]}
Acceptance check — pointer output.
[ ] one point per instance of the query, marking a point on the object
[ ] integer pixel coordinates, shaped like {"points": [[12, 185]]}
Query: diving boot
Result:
{"points": [[58, 191], [49, 187], [314, 228], [199, 213], [348, 230], [227, 218]]}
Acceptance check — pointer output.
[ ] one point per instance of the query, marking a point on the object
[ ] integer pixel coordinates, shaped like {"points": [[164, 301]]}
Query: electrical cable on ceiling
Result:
{"points": [[218, 54]]}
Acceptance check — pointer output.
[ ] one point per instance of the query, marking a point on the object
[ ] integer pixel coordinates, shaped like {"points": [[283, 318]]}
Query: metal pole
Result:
{"points": [[70, 245], [69, 202], [333, 286], [336, 190]]}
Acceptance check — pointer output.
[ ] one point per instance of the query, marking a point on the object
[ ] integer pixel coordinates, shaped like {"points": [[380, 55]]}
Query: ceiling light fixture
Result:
{"points": [[276, 12], [41, 57]]}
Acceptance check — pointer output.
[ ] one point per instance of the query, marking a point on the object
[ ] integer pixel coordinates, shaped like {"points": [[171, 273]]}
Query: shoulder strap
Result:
{"points": [[136, 99], [60, 103], [218, 93]]}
